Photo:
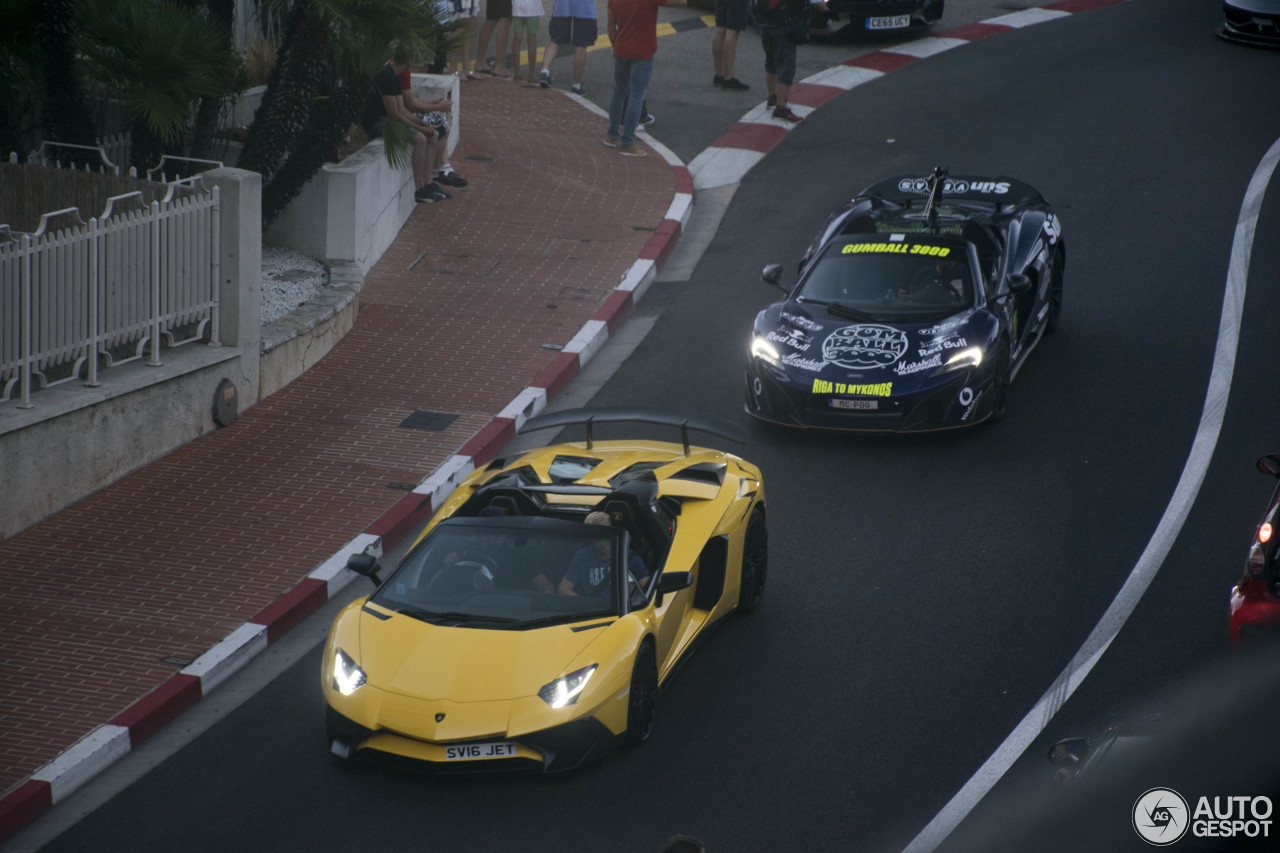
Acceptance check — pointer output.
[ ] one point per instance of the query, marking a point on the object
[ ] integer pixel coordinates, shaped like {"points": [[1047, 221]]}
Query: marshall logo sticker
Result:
{"points": [[864, 346]]}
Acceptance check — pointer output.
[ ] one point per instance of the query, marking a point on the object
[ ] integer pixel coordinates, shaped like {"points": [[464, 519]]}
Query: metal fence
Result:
{"points": [[78, 296]]}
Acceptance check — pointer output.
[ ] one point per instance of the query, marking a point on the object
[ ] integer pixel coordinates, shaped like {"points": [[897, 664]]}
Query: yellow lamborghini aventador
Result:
{"points": [[548, 600]]}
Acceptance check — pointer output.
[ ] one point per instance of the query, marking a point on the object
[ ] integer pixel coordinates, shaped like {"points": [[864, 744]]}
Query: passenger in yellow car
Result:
{"points": [[588, 572]]}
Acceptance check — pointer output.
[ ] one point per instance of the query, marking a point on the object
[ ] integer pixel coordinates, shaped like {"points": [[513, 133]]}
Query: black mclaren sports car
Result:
{"points": [[853, 17], [914, 308], [1255, 22]]}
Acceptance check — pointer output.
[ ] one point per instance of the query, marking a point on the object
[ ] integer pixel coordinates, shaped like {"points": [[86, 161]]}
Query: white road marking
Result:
{"points": [[1157, 549]]}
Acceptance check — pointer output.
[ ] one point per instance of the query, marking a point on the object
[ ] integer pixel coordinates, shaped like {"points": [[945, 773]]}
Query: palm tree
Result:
{"points": [[18, 80], [328, 49], [64, 116], [159, 58], [222, 18]]}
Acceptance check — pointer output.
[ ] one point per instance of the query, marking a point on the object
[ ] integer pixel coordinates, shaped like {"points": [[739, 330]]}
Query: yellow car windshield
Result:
{"points": [[493, 573]]}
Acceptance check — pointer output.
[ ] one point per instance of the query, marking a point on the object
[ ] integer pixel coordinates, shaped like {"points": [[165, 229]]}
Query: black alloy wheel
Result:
{"points": [[1056, 268], [755, 563], [643, 698], [1000, 385]]}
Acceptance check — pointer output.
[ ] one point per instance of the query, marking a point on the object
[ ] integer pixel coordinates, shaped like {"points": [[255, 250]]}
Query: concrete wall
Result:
{"points": [[295, 342], [75, 440], [352, 211]]}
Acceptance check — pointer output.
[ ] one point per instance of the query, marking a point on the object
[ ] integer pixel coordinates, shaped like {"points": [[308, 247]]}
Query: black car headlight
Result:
{"points": [[765, 351], [566, 689], [965, 358], [348, 677]]}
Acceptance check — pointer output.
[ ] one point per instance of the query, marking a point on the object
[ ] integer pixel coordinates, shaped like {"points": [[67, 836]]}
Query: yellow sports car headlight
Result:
{"points": [[348, 677], [565, 689]]}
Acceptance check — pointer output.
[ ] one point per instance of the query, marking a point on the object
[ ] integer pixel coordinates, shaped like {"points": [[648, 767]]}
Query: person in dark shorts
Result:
{"points": [[573, 22], [731, 19], [497, 16], [780, 52]]}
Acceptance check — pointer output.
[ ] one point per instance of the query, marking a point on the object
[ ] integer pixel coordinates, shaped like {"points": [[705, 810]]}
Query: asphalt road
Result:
{"points": [[924, 593]]}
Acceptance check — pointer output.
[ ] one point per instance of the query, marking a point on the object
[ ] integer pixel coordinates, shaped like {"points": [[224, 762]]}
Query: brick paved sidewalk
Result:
{"points": [[108, 599]]}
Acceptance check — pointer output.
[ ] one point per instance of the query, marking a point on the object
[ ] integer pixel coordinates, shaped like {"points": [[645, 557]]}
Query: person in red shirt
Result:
{"points": [[633, 30], [387, 104]]}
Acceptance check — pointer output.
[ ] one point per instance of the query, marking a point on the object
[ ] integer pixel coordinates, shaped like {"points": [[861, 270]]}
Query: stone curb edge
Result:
{"points": [[723, 163]]}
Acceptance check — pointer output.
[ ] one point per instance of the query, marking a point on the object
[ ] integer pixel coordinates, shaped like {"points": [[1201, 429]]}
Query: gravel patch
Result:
{"points": [[289, 279]]}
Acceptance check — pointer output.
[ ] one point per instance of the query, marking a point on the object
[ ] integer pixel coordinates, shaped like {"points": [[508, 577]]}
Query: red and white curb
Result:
{"points": [[757, 133], [741, 147]]}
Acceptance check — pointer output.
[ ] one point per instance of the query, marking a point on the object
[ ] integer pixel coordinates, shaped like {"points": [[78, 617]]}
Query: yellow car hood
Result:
{"points": [[407, 656]]}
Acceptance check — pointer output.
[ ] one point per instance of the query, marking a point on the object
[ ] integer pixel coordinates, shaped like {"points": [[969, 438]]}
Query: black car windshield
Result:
{"points": [[891, 277], [509, 574]]}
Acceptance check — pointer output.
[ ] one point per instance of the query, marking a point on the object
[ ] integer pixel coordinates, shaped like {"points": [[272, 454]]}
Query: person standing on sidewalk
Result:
{"points": [[463, 13], [772, 17], [633, 30], [573, 22], [526, 19], [731, 19], [497, 16]]}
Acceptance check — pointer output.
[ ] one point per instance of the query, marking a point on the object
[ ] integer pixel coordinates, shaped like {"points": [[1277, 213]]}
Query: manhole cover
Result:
{"points": [[436, 421]]}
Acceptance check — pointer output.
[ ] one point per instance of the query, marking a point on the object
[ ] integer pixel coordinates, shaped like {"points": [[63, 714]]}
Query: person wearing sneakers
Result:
{"points": [[731, 20], [387, 105], [434, 113], [463, 13], [526, 19], [779, 51], [497, 16], [633, 30], [573, 22]]}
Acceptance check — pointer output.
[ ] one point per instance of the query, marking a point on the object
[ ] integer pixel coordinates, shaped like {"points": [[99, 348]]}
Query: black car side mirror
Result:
{"points": [[672, 582], [367, 565], [1069, 752], [772, 274], [1019, 282]]}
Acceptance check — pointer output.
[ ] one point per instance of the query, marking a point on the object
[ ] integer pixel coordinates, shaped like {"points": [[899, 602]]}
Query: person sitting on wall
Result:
{"points": [[436, 114], [387, 105]]}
